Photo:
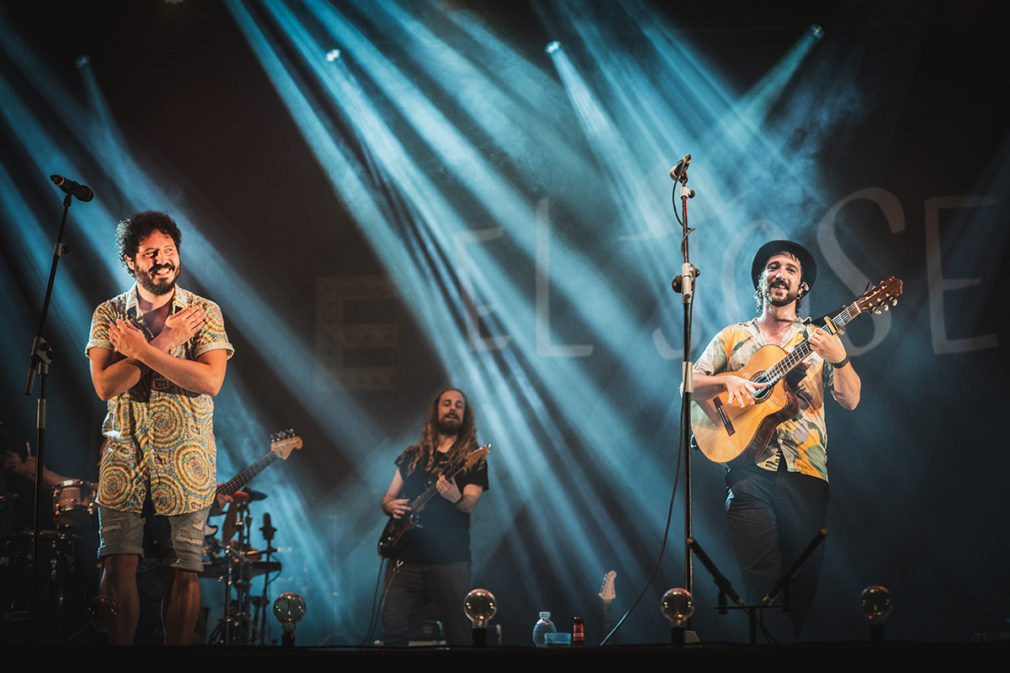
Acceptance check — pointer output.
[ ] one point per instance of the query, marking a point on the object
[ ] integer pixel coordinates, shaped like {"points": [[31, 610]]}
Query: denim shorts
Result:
{"points": [[178, 540]]}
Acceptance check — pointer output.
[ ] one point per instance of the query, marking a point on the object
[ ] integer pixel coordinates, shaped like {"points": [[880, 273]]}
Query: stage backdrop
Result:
{"points": [[387, 198]]}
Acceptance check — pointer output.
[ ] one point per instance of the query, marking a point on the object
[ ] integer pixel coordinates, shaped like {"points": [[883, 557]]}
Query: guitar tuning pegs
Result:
{"points": [[894, 302], [877, 311]]}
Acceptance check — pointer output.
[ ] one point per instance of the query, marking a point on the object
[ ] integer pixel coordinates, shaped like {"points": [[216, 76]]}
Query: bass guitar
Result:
{"points": [[396, 528], [281, 445], [724, 432]]}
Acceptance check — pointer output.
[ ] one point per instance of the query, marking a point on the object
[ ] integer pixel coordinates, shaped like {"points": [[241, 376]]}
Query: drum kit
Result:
{"points": [[67, 554], [235, 563], [71, 570]]}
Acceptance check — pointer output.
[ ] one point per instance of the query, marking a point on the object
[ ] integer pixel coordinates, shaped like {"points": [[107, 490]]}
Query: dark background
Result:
{"points": [[917, 95]]}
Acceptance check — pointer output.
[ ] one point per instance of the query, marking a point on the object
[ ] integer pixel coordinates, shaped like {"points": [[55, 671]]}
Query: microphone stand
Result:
{"points": [[268, 534], [684, 284], [41, 358]]}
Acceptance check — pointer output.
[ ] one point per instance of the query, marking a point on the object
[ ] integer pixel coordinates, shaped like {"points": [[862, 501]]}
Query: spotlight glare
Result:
{"points": [[332, 55], [817, 31], [82, 61], [552, 47]]}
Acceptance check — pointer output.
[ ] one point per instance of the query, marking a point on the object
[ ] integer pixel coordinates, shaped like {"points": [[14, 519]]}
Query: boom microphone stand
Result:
{"points": [[41, 358]]}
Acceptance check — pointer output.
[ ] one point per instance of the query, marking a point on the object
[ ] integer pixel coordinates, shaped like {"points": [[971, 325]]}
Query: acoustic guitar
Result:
{"points": [[724, 432]]}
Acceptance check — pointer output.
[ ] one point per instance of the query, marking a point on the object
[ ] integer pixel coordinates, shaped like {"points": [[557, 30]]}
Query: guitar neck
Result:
{"points": [[421, 500], [803, 349], [246, 475]]}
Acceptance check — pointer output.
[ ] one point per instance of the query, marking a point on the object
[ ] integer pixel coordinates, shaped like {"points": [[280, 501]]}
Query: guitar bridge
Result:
{"points": [[723, 418]]}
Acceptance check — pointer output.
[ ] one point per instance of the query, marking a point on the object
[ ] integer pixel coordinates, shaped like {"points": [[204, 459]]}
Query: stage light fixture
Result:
{"points": [[480, 607], [876, 603], [552, 46], [677, 606], [332, 55]]}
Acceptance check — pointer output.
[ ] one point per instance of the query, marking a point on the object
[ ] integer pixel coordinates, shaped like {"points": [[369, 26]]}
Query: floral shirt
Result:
{"points": [[159, 435], [802, 440]]}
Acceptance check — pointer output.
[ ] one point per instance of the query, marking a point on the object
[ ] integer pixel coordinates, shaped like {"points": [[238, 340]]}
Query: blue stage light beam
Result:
{"points": [[518, 107], [506, 205], [398, 164], [101, 139]]}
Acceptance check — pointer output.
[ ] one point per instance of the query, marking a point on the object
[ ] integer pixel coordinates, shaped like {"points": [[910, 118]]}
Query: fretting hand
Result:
{"points": [[826, 345], [448, 489]]}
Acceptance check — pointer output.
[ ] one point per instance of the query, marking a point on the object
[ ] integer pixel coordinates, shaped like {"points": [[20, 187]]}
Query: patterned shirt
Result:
{"points": [[803, 439], [157, 433]]}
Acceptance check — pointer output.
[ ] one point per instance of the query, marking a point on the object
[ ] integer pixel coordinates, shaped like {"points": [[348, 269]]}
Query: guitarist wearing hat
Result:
{"points": [[431, 561], [777, 495]]}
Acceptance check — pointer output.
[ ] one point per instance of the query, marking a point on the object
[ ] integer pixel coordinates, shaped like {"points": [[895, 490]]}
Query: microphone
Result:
{"points": [[82, 192], [678, 171], [267, 530]]}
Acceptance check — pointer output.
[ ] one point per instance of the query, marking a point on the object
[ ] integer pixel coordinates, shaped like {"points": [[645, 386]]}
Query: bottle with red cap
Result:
{"points": [[578, 633]]}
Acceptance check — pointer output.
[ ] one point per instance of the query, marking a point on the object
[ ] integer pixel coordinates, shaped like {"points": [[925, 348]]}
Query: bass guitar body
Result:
{"points": [[724, 432], [393, 533]]}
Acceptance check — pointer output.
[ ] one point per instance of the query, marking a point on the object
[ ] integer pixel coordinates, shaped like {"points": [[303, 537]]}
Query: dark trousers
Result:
{"points": [[772, 516], [410, 587]]}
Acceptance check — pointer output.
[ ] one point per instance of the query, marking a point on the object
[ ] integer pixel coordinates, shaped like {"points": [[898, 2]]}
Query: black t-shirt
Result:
{"points": [[443, 533]]}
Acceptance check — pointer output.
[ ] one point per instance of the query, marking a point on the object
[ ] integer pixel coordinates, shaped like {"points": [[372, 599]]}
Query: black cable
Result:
{"points": [[669, 514]]}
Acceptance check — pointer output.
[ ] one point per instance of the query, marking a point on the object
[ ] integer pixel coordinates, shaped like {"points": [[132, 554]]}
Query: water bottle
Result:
{"points": [[543, 626]]}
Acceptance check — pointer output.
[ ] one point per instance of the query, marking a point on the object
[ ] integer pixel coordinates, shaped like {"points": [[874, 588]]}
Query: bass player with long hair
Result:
{"points": [[432, 559]]}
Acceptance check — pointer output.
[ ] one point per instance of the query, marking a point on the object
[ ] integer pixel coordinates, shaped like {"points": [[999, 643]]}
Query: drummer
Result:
{"points": [[19, 469]]}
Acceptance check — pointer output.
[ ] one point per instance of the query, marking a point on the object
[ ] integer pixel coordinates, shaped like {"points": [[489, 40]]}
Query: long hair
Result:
{"points": [[424, 452]]}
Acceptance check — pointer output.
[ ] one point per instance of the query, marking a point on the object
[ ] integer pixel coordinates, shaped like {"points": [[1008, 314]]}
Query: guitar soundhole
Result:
{"points": [[761, 394]]}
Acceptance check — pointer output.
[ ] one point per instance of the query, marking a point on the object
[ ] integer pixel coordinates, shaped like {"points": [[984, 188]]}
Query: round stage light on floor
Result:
{"points": [[480, 606], [677, 606], [876, 603], [289, 609]]}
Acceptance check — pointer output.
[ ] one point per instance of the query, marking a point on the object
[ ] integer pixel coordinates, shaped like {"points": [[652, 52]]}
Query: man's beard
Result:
{"points": [[160, 287], [789, 298], [449, 426]]}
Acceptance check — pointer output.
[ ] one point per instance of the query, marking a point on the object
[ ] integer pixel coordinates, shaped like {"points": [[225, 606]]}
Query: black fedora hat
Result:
{"points": [[808, 266]]}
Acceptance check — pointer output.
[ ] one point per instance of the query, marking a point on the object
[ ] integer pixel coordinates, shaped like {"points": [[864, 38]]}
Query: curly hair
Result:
{"points": [[424, 452], [134, 229]]}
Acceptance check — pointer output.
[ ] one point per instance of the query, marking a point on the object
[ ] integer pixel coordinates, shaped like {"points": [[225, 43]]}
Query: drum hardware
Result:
{"points": [[74, 504], [236, 563]]}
